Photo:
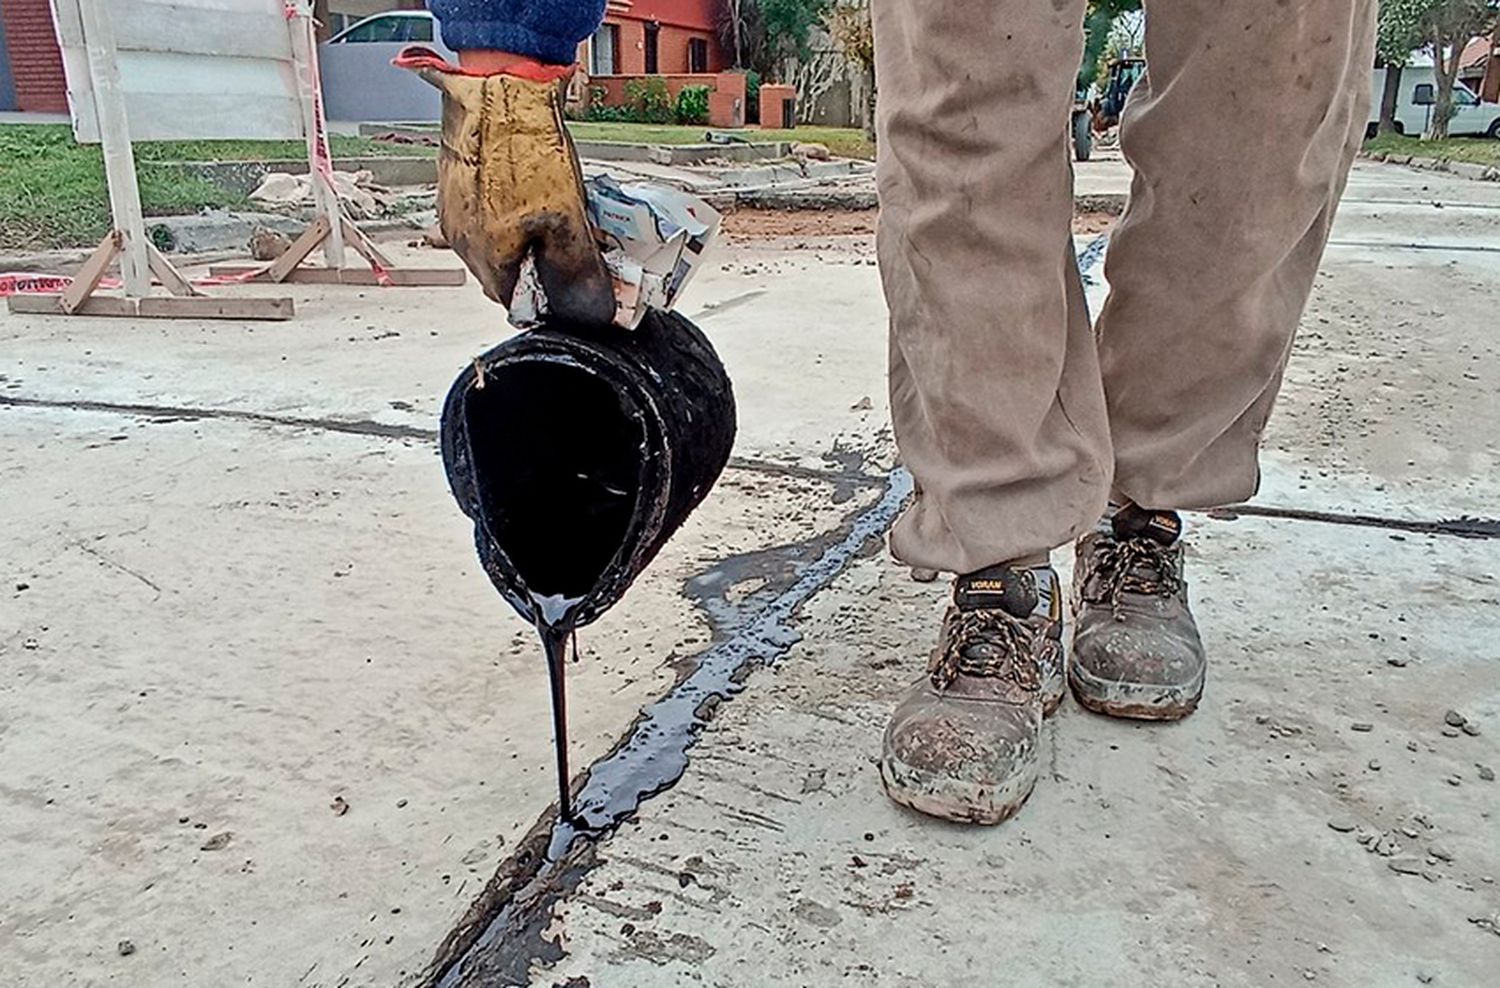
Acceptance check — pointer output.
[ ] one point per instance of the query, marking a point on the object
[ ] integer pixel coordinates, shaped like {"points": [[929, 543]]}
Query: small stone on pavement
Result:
{"points": [[1405, 866]]}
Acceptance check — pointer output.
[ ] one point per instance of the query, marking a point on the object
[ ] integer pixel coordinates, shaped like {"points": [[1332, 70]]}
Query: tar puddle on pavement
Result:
{"points": [[500, 938]]}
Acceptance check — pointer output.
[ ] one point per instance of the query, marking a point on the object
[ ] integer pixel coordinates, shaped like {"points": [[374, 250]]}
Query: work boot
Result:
{"points": [[1136, 650], [962, 743], [1047, 618]]}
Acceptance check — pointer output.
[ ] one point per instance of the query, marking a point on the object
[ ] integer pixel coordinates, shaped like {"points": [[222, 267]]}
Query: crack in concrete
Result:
{"points": [[1413, 245], [386, 430], [845, 474], [1464, 527], [356, 427], [501, 936]]}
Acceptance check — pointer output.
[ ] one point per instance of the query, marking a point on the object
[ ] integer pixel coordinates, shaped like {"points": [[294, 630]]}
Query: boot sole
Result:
{"points": [[957, 802], [1134, 701]]}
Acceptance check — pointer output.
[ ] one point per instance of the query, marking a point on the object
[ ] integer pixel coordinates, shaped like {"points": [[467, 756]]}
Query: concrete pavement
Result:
{"points": [[238, 596]]}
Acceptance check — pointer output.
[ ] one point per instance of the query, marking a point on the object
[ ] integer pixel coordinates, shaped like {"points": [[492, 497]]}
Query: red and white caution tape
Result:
{"points": [[29, 283]]}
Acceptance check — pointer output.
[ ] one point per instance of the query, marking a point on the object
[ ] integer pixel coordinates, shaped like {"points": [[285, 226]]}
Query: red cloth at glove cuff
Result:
{"points": [[422, 57]]}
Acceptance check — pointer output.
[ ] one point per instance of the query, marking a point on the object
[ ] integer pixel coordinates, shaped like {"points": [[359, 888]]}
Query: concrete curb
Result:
{"points": [[681, 154], [1463, 169], [243, 176], [208, 237], [601, 150]]}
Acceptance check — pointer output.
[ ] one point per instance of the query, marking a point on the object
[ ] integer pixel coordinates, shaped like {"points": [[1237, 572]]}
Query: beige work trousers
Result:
{"points": [[1016, 418]]}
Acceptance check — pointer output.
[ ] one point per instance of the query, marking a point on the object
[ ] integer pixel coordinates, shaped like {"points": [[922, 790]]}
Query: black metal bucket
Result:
{"points": [[578, 452]]}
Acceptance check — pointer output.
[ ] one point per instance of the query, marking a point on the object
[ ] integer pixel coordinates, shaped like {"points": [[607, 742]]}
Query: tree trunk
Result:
{"points": [[1445, 67], [1389, 96], [735, 26]]}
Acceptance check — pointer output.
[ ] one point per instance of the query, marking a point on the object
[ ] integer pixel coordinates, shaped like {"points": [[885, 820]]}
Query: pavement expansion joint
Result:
{"points": [[501, 937]]}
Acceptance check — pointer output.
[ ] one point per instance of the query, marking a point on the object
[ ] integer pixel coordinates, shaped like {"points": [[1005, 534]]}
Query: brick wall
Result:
{"points": [[671, 48], [726, 98], [35, 63]]}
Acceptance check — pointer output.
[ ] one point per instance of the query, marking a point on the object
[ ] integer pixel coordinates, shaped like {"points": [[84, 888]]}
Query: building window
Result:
{"points": [[653, 38], [698, 55], [603, 51]]}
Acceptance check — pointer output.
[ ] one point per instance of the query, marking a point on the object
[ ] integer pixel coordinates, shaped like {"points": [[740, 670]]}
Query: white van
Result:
{"points": [[1414, 105]]}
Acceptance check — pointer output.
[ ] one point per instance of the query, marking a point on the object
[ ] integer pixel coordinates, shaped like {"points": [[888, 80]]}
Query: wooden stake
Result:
{"points": [[114, 134], [309, 99], [91, 273], [169, 275], [299, 249], [357, 239]]}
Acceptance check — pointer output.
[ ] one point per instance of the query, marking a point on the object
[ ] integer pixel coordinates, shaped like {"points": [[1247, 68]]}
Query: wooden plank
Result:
{"points": [[158, 307], [400, 277], [298, 251], [304, 47], [91, 273], [189, 70], [171, 307], [119, 158], [51, 305], [355, 237], [167, 274], [200, 30]]}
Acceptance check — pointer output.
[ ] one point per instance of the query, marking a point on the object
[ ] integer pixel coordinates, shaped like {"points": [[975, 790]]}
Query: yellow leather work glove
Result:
{"points": [[509, 184]]}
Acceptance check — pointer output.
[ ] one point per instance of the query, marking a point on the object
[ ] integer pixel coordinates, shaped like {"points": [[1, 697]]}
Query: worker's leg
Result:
{"points": [[1241, 135], [994, 380]]}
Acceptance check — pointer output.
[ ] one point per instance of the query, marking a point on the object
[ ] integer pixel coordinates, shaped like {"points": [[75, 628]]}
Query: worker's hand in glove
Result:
{"points": [[509, 183]]}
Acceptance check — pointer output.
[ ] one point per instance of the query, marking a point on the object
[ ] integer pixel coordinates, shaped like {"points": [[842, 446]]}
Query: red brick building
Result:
{"points": [[31, 70], [656, 37]]}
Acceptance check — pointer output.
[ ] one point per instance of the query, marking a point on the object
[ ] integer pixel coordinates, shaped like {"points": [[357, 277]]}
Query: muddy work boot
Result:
{"points": [[1136, 650], [1047, 618], [962, 743]]}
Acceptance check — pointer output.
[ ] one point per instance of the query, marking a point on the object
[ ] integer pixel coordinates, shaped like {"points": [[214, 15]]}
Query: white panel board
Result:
{"points": [[189, 69]]}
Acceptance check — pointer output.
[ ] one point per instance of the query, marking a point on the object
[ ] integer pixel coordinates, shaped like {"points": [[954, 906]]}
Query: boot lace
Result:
{"points": [[1132, 566], [1008, 657]]}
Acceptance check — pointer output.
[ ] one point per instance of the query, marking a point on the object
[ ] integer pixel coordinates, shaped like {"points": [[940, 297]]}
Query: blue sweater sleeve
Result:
{"points": [[547, 30]]}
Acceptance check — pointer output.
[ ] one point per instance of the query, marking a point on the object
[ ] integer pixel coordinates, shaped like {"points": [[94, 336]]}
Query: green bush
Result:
{"points": [[600, 113], [649, 99], [692, 105]]}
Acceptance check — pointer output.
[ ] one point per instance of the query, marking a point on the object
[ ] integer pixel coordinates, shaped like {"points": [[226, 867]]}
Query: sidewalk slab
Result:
{"points": [[1201, 853]]}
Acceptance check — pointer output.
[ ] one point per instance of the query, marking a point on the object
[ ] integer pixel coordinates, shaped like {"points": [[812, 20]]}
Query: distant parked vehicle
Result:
{"points": [[1471, 117], [1094, 112], [361, 84]]}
